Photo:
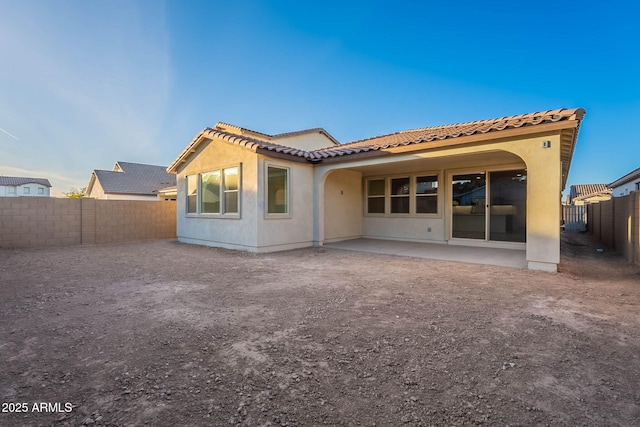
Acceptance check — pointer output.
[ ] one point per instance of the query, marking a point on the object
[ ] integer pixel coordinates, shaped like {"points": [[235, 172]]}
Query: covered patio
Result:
{"points": [[515, 258]]}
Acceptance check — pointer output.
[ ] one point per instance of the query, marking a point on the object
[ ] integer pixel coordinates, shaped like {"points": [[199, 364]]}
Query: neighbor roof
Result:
{"points": [[627, 178], [15, 180], [134, 178], [427, 137], [582, 191]]}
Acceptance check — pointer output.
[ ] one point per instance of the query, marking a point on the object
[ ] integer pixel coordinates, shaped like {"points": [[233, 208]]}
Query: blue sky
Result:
{"points": [[84, 84]]}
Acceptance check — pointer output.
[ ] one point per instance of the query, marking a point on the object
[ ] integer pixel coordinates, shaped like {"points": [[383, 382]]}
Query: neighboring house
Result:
{"points": [[130, 181], [489, 183], [11, 186], [626, 184], [581, 194]]}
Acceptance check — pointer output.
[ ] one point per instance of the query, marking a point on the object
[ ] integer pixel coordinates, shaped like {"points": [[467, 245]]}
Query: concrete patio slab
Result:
{"points": [[469, 254]]}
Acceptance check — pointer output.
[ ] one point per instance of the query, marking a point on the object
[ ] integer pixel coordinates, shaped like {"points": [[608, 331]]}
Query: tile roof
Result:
{"points": [[627, 178], [260, 143], [429, 134], [581, 191], [15, 180], [135, 178], [263, 136]]}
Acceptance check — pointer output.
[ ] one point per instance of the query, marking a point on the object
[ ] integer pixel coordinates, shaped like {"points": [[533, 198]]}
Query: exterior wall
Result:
{"points": [[296, 229], [616, 224], [33, 190], [625, 189], [343, 195], [311, 141], [42, 222], [97, 192], [210, 230], [593, 199]]}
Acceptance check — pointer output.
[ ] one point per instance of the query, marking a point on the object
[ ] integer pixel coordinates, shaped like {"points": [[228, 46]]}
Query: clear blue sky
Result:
{"points": [[86, 83]]}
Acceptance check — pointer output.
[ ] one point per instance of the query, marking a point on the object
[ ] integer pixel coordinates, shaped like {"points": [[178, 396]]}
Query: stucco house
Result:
{"points": [[13, 186], [626, 184], [132, 181], [489, 183], [581, 194]]}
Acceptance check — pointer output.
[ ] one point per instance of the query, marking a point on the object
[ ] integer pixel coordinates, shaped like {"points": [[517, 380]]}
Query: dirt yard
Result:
{"points": [[167, 334]]}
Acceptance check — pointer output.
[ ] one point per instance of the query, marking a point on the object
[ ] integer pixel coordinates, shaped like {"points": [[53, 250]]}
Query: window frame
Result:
{"points": [[277, 215], [13, 189], [413, 195], [40, 190], [26, 190], [222, 212]]}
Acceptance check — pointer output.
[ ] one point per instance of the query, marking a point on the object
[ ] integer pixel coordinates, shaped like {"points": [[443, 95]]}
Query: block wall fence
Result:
{"points": [[36, 222], [616, 224]]}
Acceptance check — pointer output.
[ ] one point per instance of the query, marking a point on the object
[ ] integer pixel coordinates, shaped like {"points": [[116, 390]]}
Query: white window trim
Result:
{"points": [[412, 195], [289, 213], [221, 214]]}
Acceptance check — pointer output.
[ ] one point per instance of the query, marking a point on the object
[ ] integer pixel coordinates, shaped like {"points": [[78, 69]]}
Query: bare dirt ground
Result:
{"points": [[167, 334]]}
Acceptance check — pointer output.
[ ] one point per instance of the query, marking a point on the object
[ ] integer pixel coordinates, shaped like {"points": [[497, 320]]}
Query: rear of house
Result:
{"points": [[490, 183]]}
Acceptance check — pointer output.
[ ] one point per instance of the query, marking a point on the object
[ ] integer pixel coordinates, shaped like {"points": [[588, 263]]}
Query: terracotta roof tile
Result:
{"points": [[258, 141], [416, 136]]}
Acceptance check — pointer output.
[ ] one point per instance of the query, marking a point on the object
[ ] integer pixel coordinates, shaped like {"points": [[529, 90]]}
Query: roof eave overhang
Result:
{"points": [[545, 128]]}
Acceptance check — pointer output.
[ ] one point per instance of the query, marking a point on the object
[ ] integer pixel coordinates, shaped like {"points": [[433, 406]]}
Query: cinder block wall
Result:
{"points": [[616, 223], [33, 222]]}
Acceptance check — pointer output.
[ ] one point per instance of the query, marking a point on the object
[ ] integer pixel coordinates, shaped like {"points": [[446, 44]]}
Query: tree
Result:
{"points": [[75, 193]]}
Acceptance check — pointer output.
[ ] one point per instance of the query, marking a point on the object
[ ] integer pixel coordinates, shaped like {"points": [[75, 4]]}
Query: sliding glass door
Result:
{"points": [[489, 206], [468, 210]]}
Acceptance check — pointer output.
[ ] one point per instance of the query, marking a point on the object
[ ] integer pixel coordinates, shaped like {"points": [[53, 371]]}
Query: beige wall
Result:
{"points": [[42, 222], [296, 229], [616, 224], [214, 230], [343, 195]]}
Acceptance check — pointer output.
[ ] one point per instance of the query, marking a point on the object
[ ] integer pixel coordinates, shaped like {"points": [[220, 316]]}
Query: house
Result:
{"points": [[489, 183], [131, 181], [11, 186], [626, 184], [581, 194]]}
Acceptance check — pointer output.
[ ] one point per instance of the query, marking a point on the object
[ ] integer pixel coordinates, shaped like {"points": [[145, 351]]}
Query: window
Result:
{"points": [[231, 190], [214, 192], [415, 195], [192, 193], [427, 194], [27, 190], [400, 195], [637, 186], [210, 192], [375, 196], [40, 190], [277, 190], [12, 189]]}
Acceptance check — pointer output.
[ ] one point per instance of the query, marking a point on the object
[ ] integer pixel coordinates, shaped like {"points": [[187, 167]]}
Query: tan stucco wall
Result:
{"points": [[343, 205], [232, 233], [296, 229], [96, 190]]}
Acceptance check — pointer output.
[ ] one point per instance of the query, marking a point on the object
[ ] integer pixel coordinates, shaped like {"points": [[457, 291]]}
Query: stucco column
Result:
{"points": [[544, 183], [318, 205]]}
